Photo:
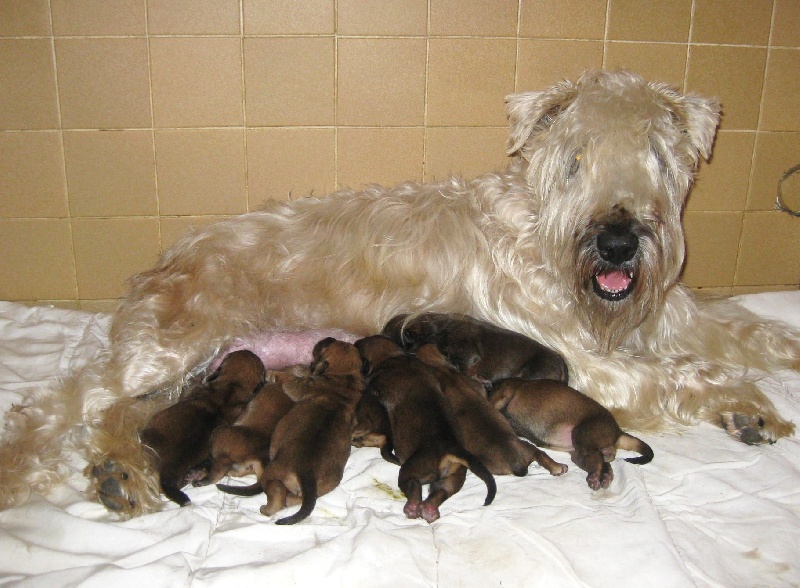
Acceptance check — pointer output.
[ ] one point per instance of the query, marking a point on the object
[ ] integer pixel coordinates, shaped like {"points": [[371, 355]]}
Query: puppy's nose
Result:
{"points": [[617, 244]]}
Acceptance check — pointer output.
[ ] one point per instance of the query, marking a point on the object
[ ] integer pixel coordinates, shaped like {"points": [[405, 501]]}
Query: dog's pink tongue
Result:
{"points": [[614, 281]]}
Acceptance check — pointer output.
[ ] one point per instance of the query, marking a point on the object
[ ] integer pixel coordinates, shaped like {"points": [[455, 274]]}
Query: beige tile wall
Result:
{"points": [[124, 122]]}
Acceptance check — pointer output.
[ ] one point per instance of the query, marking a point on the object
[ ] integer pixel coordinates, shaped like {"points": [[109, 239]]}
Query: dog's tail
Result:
{"points": [[631, 443], [484, 474], [308, 485], [250, 490]]}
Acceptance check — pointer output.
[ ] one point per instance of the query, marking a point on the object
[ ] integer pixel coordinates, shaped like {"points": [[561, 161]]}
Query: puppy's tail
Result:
{"points": [[250, 490], [308, 485], [631, 443], [484, 474]]}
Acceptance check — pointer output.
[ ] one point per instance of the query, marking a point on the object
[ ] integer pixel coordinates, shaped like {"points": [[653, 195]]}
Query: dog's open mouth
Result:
{"points": [[613, 285]]}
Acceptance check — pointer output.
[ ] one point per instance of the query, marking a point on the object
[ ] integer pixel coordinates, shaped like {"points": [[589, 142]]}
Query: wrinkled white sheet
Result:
{"points": [[706, 512]]}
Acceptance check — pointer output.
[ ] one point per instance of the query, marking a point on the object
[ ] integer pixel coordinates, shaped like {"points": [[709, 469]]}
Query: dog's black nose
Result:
{"points": [[617, 244]]}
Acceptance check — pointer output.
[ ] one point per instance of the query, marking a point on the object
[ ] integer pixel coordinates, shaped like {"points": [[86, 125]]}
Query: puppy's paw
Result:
{"points": [[753, 429], [602, 479], [412, 509], [429, 512], [110, 482]]}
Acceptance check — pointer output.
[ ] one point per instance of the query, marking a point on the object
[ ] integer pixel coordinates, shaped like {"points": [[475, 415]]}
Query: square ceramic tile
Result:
{"points": [[103, 83], [543, 63], [466, 152], [173, 228], [98, 17], [201, 171], [285, 164], [37, 260], [379, 156], [634, 20], [109, 251], [197, 81], [24, 18], [289, 81], [27, 85], [781, 110], [468, 81], [563, 19], [381, 82], [712, 244], [769, 252], [474, 18], [193, 17], [786, 23], [278, 17], [110, 173], [775, 154], [722, 183], [662, 62], [735, 76], [734, 22], [382, 17], [32, 175]]}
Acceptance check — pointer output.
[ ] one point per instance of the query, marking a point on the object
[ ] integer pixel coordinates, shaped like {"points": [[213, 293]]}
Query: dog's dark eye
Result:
{"points": [[574, 164]]}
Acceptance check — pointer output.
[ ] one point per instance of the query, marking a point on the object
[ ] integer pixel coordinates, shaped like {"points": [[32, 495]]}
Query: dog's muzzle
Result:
{"points": [[616, 246]]}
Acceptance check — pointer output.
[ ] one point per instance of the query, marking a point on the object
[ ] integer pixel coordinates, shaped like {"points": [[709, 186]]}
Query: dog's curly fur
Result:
{"points": [[609, 158]]}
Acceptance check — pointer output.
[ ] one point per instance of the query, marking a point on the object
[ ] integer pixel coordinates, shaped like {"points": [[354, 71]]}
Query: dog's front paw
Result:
{"points": [[110, 483]]}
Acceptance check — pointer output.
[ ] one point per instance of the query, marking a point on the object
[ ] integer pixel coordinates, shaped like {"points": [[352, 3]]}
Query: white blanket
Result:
{"points": [[706, 512]]}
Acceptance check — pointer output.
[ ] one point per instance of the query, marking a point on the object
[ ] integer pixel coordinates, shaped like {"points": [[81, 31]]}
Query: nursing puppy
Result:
{"points": [[479, 349], [179, 434], [243, 447], [423, 440], [552, 414], [478, 426], [311, 444]]}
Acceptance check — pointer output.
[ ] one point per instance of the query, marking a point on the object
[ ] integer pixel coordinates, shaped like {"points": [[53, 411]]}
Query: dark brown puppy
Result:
{"points": [[481, 429], [479, 349], [372, 428], [552, 414], [423, 440], [179, 434], [311, 444], [243, 447]]}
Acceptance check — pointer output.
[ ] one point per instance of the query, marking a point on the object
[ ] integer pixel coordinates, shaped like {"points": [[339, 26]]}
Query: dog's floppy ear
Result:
{"points": [[319, 367], [532, 113], [696, 116]]}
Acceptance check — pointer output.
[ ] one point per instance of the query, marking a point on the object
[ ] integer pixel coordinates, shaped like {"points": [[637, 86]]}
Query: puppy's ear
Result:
{"points": [[319, 367], [532, 113], [210, 378], [695, 116]]}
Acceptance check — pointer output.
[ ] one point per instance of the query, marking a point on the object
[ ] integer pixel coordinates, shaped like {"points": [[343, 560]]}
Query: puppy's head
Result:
{"points": [[334, 357], [240, 375], [409, 330], [375, 350], [429, 353]]}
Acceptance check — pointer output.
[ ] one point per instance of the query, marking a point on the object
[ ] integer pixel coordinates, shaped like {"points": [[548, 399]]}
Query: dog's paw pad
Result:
{"points": [[412, 509], [749, 429], [109, 480], [429, 512]]}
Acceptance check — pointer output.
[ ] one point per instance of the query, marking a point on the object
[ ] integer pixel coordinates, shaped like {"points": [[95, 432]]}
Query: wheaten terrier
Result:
{"points": [[577, 244]]}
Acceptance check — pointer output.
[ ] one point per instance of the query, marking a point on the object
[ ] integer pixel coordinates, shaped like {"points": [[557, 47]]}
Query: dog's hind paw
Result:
{"points": [[110, 482], [753, 429]]}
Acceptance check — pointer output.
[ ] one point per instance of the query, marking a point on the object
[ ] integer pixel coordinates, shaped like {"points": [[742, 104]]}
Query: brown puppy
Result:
{"points": [[243, 447], [554, 415], [479, 349], [311, 444], [478, 426], [372, 428], [179, 434], [423, 440]]}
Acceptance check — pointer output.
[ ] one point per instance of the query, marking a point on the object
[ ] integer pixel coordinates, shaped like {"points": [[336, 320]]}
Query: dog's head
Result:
{"points": [[334, 357], [240, 375], [609, 160]]}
